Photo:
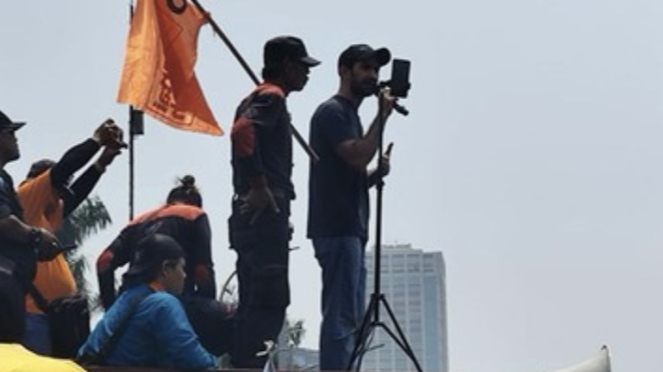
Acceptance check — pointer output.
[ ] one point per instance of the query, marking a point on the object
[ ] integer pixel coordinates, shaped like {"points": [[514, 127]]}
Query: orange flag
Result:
{"points": [[158, 76]]}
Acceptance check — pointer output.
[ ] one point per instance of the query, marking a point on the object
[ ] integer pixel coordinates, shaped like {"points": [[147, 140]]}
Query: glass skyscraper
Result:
{"points": [[413, 282]]}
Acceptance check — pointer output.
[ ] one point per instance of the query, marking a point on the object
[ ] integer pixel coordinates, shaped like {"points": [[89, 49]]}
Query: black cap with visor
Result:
{"points": [[363, 52], [7, 124], [281, 47]]}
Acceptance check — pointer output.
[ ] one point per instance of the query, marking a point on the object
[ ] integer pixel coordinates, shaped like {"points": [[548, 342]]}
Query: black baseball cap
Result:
{"points": [[39, 167], [287, 46], [362, 52], [7, 123], [151, 252]]}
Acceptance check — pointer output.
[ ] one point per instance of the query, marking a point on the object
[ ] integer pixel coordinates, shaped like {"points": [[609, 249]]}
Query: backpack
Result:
{"points": [[69, 321]]}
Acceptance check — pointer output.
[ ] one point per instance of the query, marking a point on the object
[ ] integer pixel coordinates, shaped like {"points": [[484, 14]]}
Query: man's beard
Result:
{"points": [[363, 88], [15, 156]]}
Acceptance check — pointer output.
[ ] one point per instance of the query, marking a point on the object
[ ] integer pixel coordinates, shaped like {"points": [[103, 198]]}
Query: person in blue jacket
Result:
{"points": [[150, 325]]}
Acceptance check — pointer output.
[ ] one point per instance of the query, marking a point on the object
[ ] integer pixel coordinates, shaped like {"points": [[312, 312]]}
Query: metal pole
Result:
{"points": [[136, 128], [377, 273], [131, 141], [131, 166]]}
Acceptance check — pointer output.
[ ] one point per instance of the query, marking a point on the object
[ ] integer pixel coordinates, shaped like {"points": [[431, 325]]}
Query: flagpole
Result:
{"points": [[131, 140], [252, 75], [135, 128], [131, 167]]}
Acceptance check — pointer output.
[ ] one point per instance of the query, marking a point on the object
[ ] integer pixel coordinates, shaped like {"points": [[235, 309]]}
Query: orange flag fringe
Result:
{"points": [[158, 76]]}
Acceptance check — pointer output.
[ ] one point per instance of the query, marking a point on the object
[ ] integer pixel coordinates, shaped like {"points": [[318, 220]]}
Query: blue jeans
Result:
{"points": [[343, 297], [37, 335]]}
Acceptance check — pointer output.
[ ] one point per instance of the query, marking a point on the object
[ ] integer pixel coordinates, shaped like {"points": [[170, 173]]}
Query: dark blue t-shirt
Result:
{"points": [[338, 193], [21, 255]]}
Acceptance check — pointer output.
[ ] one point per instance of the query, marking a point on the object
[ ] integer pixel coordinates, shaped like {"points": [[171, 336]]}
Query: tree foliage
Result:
{"points": [[88, 219]]}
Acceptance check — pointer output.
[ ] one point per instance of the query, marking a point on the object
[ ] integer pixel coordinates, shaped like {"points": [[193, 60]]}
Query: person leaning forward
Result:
{"points": [[182, 218], [259, 227], [21, 245]]}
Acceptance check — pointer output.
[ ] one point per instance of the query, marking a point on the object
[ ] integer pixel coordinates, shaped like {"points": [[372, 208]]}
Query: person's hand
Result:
{"points": [[256, 201], [109, 134], [119, 138], [48, 247], [385, 166], [106, 158], [386, 103]]}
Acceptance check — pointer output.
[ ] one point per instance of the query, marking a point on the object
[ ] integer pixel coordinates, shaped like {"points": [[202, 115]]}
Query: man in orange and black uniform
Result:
{"points": [[183, 219], [259, 226], [48, 198]]}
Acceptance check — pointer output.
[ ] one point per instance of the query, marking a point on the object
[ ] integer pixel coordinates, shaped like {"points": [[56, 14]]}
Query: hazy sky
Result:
{"points": [[531, 157]]}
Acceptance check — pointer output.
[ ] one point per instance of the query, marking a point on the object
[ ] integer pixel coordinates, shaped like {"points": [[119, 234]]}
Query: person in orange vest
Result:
{"points": [[48, 197], [259, 226]]}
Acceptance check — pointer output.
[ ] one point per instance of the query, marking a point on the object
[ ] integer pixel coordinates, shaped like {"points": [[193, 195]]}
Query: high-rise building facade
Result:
{"points": [[413, 282]]}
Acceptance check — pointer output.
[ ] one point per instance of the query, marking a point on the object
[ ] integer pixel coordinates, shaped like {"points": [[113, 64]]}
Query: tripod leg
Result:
{"points": [[401, 340], [363, 333]]}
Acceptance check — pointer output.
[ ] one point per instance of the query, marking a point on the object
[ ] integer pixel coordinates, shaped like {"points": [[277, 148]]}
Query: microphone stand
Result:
{"points": [[372, 317]]}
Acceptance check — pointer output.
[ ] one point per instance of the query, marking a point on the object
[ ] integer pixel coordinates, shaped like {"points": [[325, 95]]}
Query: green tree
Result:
{"points": [[289, 340], [89, 218], [296, 331]]}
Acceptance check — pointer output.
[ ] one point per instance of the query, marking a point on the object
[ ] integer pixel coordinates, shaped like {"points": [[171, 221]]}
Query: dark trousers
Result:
{"points": [[12, 308], [262, 273], [211, 322]]}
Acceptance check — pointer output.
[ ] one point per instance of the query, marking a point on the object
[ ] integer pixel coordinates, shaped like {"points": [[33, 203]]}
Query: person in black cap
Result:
{"points": [[259, 227], [21, 245], [338, 198], [153, 327]]}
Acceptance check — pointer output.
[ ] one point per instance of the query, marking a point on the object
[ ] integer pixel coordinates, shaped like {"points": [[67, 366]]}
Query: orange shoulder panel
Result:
{"points": [[146, 215], [268, 88], [188, 212]]}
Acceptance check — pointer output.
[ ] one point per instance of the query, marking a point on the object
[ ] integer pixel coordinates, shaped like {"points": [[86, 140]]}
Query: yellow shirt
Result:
{"points": [[16, 358], [42, 207]]}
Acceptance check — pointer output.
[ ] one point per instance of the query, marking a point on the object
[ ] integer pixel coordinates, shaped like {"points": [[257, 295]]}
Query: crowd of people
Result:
{"points": [[165, 312]]}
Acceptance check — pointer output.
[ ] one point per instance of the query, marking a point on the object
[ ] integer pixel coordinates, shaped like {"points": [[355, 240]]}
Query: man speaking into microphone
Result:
{"points": [[338, 197]]}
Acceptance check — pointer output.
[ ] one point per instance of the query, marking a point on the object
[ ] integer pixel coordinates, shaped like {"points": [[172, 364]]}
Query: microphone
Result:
{"points": [[400, 108]]}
